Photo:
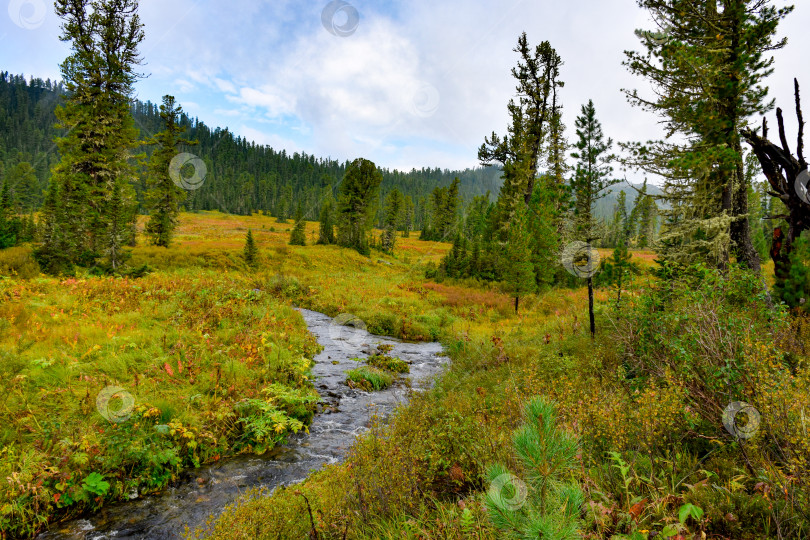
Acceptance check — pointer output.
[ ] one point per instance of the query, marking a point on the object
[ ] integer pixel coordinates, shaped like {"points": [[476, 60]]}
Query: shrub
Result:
{"points": [[18, 262]]}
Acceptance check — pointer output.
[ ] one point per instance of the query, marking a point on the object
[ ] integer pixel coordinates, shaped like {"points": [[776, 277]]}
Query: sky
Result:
{"points": [[407, 84]]}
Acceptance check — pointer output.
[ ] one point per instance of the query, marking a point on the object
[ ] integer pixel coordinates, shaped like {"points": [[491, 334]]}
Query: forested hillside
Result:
{"points": [[242, 177]]}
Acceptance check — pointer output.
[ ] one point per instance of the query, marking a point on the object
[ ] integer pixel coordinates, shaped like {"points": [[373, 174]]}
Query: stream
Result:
{"points": [[343, 414]]}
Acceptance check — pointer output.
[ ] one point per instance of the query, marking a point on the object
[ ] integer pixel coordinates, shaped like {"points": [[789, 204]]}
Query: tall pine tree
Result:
{"points": [[706, 61], [591, 179], [93, 178]]}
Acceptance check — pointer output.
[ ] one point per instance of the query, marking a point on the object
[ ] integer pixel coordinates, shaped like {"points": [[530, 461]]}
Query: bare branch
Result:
{"points": [[782, 136], [800, 142]]}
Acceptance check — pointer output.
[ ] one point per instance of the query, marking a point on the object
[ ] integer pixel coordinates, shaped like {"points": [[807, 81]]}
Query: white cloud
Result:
{"points": [[268, 139], [269, 99], [270, 66]]}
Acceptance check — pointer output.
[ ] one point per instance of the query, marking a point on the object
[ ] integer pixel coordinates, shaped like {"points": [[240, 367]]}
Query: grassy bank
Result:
{"points": [[216, 360]]}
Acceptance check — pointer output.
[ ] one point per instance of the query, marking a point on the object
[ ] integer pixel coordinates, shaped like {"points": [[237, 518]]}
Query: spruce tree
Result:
{"points": [[298, 236], [163, 195], [250, 252]]}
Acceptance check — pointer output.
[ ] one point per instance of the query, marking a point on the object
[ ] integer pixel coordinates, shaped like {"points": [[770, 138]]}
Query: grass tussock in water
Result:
{"points": [[369, 378]]}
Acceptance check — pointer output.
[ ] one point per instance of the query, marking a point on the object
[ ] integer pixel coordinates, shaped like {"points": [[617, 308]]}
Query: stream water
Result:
{"points": [[344, 413]]}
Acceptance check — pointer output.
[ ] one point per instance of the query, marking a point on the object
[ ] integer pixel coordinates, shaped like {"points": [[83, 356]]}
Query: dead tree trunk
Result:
{"points": [[782, 169]]}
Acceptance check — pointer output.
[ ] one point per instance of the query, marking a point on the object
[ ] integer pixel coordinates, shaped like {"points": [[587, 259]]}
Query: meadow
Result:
{"points": [[217, 362]]}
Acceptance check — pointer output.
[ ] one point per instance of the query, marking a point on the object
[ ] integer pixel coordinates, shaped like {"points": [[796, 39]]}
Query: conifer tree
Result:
{"points": [[647, 214], [250, 252], [547, 503], [99, 75], [52, 255], [794, 289], [620, 222], [298, 236], [356, 204], [519, 152], [593, 171], [118, 229], [706, 61], [393, 210], [22, 177], [326, 229], [10, 225], [164, 196], [518, 270], [282, 204], [591, 179], [407, 217]]}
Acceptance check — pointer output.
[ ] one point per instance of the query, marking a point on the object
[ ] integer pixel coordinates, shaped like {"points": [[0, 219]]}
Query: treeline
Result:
{"points": [[242, 176]]}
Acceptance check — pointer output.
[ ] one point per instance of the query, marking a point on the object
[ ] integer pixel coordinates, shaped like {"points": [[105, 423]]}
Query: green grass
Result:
{"points": [[388, 363], [369, 378]]}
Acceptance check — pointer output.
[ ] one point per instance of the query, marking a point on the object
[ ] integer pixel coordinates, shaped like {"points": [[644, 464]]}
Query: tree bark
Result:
{"points": [[590, 307], [741, 227]]}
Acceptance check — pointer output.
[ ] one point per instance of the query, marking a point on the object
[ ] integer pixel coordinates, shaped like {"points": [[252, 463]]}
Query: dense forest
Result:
{"points": [[242, 177]]}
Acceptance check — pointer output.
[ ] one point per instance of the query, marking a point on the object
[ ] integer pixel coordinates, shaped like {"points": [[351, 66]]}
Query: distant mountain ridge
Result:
{"points": [[605, 206]]}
